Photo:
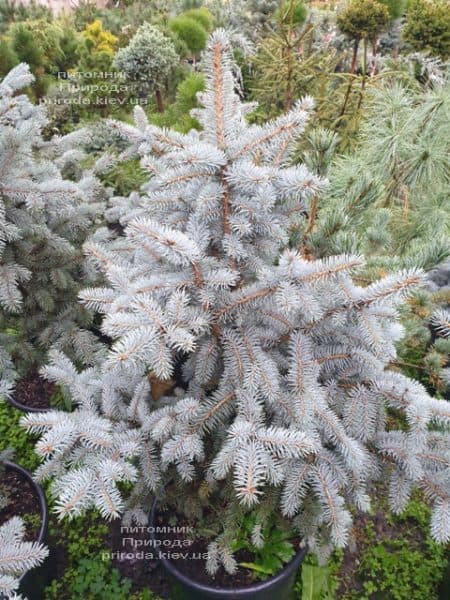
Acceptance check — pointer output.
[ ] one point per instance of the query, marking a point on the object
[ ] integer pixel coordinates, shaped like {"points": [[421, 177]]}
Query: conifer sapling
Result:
{"points": [[286, 395]]}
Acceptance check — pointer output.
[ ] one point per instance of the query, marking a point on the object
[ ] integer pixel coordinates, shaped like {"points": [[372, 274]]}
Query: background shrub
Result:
{"points": [[428, 26], [190, 31]]}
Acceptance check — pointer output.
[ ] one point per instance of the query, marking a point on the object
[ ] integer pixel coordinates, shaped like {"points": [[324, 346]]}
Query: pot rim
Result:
{"points": [[24, 408], [237, 592], [40, 496]]}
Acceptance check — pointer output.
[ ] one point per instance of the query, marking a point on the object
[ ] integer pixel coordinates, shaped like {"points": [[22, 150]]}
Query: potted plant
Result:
{"points": [[185, 583], [285, 413], [22, 551]]}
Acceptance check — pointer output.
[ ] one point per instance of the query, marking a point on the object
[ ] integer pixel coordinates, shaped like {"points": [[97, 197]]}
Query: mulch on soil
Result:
{"points": [[34, 391]]}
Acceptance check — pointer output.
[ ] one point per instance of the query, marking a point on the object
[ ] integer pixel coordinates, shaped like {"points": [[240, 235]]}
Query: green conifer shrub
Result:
{"points": [[363, 19], [28, 51], [202, 16], [427, 27], [8, 58], [190, 31]]}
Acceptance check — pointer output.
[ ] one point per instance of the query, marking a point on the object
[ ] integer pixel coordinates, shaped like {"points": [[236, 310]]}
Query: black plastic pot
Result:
{"points": [[33, 582], [278, 587]]}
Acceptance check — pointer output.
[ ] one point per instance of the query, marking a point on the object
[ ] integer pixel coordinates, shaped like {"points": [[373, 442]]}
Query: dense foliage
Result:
{"points": [[44, 219], [428, 26], [363, 19]]}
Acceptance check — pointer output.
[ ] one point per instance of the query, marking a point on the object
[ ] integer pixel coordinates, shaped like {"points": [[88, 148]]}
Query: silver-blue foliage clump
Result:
{"points": [[149, 58], [16, 556], [44, 219]]}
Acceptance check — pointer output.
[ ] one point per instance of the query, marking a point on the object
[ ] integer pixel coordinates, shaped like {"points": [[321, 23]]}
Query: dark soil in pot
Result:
{"points": [[27, 500], [33, 393], [22, 502], [195, 568]]}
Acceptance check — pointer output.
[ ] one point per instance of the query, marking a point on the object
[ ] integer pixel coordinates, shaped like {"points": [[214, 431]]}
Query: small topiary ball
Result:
{"points": [[363, 19], [202, 16]]}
